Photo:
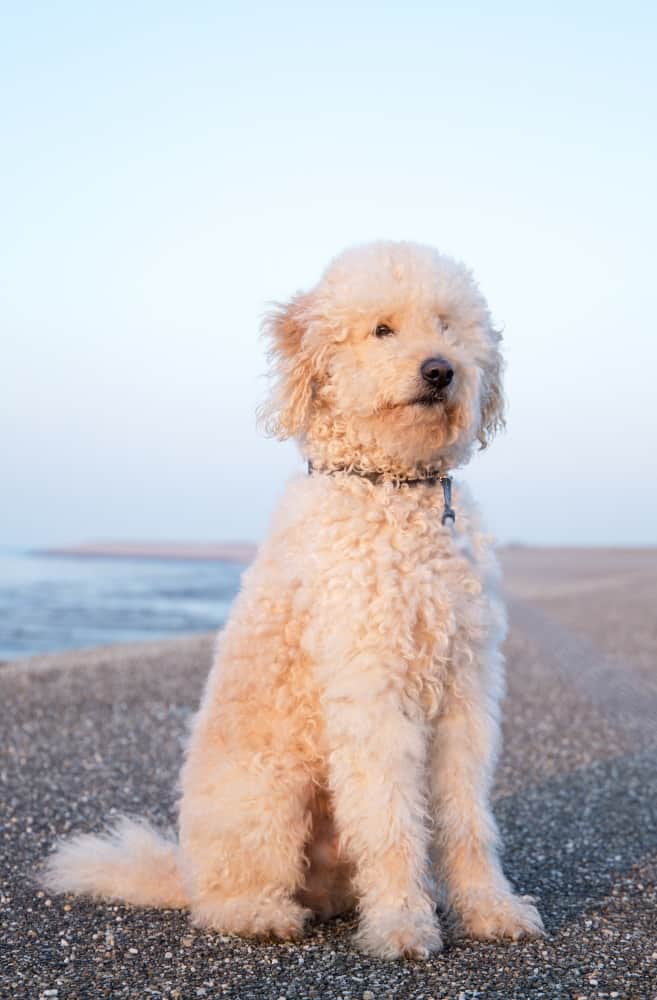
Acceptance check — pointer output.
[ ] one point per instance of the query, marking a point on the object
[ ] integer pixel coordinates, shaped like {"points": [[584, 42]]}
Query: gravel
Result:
{"points": [[92, 733]]}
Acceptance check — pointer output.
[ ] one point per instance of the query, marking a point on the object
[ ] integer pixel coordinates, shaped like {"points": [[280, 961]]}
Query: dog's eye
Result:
{"points": [[383, 330]]}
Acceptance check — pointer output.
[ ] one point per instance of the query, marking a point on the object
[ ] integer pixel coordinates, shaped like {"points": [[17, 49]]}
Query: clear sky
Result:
{"points": [[168, 168]]}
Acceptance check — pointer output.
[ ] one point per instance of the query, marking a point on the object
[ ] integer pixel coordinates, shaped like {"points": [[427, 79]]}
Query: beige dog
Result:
{"points": [[346, 740]]}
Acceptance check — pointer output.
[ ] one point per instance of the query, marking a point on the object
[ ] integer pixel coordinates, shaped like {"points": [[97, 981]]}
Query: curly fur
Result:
{"points": [[345, 745]]}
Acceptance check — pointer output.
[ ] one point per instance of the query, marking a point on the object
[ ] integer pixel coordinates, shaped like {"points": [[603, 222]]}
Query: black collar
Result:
{"points": [[449, 514]]}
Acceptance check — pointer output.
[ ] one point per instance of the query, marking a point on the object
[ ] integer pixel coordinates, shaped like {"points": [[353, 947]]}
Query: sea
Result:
{"points": [[53, 603]]}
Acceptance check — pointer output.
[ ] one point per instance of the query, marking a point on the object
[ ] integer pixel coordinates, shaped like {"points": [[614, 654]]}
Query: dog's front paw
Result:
{"points": [[399, 934], [495, 916]]}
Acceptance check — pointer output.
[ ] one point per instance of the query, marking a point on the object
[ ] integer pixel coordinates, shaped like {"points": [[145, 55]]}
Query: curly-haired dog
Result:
{"points": [[345, 744]]}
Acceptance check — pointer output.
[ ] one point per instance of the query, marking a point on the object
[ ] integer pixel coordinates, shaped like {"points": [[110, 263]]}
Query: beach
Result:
{"points": [[91, 733]]}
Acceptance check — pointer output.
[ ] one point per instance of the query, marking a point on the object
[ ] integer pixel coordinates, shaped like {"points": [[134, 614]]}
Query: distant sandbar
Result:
{"points": [[239, 552]]}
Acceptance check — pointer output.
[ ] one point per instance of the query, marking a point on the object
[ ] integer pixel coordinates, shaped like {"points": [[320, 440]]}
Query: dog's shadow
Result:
{"points": [[570, 838]]}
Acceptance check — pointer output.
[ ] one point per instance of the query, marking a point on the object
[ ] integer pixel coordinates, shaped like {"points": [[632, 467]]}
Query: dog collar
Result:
{"points": [[449, 514]]}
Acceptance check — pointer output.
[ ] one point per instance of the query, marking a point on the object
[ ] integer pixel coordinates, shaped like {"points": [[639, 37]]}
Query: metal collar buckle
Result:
{"points": [[449, 514]]}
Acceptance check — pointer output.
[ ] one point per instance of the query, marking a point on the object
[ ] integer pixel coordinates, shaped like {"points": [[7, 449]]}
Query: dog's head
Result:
{"points": [[392, 353]]}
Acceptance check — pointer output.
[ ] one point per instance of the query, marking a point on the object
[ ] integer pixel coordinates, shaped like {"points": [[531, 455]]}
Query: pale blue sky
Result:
{"points": [[169, 168]]}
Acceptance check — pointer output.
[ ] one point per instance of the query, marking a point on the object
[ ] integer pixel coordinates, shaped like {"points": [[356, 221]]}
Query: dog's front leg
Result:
{"points": [[462, 759], [377, 773]]}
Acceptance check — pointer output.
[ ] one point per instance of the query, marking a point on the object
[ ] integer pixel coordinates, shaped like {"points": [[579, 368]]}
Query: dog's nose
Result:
{"points": [[437, 372]]}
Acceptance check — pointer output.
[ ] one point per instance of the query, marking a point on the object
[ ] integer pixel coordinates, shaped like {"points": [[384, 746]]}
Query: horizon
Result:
{"points": [[73, 550]]}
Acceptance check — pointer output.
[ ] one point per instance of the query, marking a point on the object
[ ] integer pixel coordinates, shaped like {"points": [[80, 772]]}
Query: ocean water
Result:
{"points": [[53, 603]]}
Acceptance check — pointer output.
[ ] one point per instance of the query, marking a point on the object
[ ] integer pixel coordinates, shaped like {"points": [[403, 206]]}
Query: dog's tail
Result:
{"points": [[130, 863]]}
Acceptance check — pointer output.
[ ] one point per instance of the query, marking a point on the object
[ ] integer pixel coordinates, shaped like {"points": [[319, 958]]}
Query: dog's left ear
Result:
{"points": [[294, 364], [492, 395]]}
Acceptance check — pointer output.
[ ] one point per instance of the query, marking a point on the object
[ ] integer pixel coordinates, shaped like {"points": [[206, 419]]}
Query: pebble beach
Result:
{"points": [[90, 733]]}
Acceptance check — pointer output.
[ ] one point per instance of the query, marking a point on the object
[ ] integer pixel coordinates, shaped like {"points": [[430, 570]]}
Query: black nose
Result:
{"points": [[437, 372]]}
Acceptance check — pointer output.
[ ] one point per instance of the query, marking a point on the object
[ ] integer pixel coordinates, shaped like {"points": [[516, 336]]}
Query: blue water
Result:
{"points": [[51, 603]]}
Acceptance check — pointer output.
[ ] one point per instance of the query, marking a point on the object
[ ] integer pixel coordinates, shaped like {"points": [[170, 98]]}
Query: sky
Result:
{"points": [[169, 169]]}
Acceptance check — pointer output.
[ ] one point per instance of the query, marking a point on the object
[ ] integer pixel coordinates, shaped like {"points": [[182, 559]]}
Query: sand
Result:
{"points": [[90, 732]]}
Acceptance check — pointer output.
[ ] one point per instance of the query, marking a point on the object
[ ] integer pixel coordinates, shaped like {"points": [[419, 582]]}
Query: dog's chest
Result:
{"points": [[423, 585], [392, 585], [440, 585]]}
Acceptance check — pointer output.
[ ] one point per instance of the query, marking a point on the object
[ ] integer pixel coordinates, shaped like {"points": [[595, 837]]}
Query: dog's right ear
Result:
{"points": [[293, 367]]}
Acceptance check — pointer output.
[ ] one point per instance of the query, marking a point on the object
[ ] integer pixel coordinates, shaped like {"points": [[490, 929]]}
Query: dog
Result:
{"points": [[345, 745]]}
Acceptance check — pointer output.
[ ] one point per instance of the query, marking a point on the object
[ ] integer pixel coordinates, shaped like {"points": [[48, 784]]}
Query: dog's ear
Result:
{"points": [[492, 395], [294, 367]]}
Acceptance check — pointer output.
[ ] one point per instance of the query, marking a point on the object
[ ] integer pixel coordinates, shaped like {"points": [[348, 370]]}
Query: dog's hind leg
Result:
{"points": [[243, 826], [246, 782]]}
